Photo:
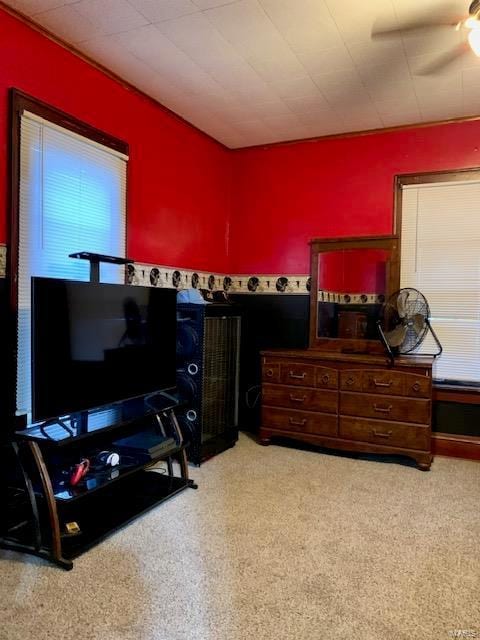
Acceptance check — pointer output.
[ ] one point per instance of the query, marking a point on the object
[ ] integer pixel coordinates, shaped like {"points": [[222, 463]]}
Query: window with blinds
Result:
{"points": [[440, 256], [72, 198]]}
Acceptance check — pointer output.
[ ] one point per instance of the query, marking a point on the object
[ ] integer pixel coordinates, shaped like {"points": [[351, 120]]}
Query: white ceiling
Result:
{"points": [[252, 72]]}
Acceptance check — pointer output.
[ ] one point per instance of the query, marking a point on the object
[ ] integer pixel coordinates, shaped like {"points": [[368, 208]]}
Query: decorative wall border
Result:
{"points": [[179, 278], [154, 275], [3, 260], [351, 298]]}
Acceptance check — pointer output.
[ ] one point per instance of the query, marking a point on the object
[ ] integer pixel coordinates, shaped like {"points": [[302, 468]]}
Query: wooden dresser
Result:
{"points": [[353, 402]]}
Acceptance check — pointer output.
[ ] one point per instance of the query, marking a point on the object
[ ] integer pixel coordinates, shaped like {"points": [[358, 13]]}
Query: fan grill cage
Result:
{"points": [[407, 307]]}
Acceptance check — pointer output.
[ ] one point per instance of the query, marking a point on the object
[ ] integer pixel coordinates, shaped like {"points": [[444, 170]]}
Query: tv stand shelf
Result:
{"points": [[120, 505], [66, 493], [107, 498], [73, 427]]}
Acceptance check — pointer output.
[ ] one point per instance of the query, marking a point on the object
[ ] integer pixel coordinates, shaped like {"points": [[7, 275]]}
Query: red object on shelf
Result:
{"points": [[80, 470]]}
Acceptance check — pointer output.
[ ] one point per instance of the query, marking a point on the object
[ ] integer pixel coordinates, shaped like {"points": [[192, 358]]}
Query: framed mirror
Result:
{"points": [[351, 279]]}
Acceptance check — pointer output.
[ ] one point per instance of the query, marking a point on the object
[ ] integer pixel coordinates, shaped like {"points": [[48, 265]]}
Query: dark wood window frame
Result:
{"points": [[441, 392], [18, 103]]}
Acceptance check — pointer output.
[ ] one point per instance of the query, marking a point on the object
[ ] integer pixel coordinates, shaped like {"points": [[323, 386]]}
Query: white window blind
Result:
{"points": [[72, 198], [440, 257]]}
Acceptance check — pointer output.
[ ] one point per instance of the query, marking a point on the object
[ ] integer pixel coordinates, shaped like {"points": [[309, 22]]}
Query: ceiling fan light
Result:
{"points": [[474, 40], [472, 23]]}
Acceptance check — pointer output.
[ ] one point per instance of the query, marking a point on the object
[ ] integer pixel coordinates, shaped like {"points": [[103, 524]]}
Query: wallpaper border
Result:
{"points": [[179, 278], [3, 260], [157, 275]]}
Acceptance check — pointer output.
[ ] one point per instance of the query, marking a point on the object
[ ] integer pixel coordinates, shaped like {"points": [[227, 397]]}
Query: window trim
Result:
{"points": [[466, 394], [19, 102]]}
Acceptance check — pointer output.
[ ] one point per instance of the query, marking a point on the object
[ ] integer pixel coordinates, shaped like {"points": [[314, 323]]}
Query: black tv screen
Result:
{"points": [[94, 344]]}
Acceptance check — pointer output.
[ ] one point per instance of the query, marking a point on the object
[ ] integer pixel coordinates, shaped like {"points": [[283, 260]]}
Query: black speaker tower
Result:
{"points": [[208, 339]]}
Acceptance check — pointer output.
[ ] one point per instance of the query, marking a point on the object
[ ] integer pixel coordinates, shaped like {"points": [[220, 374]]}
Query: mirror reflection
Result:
{"points": [[351, 291]]}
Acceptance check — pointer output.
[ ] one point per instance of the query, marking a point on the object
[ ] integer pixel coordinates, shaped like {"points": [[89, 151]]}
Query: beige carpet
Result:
{"points": [[276, 544]]}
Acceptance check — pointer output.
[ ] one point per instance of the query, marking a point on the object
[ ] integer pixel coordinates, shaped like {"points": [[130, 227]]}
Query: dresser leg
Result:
{"points": [[424, 462], [263, 439], [424, 466]]}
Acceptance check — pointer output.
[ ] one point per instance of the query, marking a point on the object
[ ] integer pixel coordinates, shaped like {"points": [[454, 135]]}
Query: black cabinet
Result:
{"points": [[268, 321]]}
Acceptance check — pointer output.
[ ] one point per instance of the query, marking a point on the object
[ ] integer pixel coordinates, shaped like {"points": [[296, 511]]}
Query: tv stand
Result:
{"points": [[108, 497]]}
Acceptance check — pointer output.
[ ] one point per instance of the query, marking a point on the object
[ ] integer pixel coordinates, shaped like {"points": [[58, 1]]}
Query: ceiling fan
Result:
{"points": [[426, 23]]}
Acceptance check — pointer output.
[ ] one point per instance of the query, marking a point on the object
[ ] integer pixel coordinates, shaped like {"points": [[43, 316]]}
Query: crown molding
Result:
{"points": [[366, 132]]}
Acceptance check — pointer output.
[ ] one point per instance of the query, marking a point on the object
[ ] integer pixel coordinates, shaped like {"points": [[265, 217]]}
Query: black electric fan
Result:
{"points": [[405, 323]]}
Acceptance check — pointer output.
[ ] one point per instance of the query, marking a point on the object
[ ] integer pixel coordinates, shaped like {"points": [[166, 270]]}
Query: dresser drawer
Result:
{"points": [[271, 372], [417, 386], [326, 378], [396, 383], [297, 373], [383, 381], [385, 407], [299, 421], [300, 398], [395, 434], [351, 380]]}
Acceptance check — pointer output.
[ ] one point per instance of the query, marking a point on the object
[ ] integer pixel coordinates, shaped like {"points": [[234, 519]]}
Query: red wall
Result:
{"points": [[287, 194], [184, 188], [179, 179]]}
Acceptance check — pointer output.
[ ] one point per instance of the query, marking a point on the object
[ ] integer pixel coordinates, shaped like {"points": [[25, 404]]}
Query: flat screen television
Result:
{"points": [[94, 344]]}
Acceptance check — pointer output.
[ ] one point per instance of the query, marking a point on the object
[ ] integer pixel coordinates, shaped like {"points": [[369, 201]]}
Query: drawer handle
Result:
{"points": [[416, 386], [295, 399], [296, 375], [269, 373], [298, 423], [382, 409], [350, 381], [325, 378], [377, 383], [377, 434]]}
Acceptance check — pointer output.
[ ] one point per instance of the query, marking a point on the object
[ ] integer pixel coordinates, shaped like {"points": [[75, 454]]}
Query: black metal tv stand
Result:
{"points": [[106, 498]]}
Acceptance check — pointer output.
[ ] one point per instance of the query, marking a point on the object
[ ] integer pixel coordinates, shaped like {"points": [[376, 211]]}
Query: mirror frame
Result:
{"points": [[323, 245]]}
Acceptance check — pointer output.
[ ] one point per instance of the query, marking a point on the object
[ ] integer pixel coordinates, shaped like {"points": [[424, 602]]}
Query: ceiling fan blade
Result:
{"points": [[396, 337], [418, 323], [411, 28], [444, 60], [446, 16]]}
